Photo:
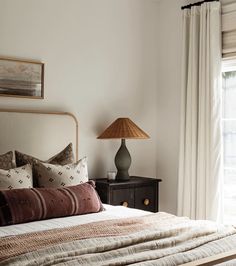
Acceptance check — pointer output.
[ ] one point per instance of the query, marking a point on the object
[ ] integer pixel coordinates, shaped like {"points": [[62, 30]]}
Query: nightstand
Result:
{"points": [[138, 192]]}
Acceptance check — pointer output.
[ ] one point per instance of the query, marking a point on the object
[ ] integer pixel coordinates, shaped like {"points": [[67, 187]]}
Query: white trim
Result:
{"points": [[228, 64]]}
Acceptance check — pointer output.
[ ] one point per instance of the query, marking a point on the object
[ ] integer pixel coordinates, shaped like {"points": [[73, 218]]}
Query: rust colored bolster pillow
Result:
{"points": [[32, 204]]}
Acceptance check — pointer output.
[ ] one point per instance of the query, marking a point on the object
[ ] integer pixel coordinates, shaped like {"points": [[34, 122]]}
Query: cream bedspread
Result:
{"points": [[156, 239], [111, 212]]}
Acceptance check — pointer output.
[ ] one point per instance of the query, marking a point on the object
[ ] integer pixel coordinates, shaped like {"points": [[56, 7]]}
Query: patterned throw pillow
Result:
{"points": [[6, 161], [25, 205], [54, 176], [64, 157], [16, 178]]}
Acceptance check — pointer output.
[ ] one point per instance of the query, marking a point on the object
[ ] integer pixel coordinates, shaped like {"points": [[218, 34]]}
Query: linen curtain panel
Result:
{"points": [[199, 193]]}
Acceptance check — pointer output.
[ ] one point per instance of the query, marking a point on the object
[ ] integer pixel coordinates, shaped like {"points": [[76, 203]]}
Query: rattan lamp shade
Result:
{"points": [[123, 128]]}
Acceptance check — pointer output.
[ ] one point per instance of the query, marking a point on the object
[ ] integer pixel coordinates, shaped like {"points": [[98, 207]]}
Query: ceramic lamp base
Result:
{"points": [[122, 162]]}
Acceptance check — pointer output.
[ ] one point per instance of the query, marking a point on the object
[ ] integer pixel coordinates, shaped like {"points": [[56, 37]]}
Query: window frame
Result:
{"points": [[228, 65]]}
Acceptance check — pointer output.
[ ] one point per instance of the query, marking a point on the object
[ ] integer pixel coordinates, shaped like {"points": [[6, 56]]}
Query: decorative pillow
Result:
{"points": [[25, 205], [64, 157], [16, 178], [54, 176], [6, 161]]}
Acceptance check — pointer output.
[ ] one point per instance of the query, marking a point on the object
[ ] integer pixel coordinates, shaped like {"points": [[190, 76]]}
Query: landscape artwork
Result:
{"points": [[21, 78]]}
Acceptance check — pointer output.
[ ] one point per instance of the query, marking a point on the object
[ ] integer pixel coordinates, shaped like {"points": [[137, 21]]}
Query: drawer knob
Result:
{"points": [[146, 202], [125, 204]]}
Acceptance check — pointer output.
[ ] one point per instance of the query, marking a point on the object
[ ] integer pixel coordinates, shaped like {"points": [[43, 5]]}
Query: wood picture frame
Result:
{"points": [[21, 78]]}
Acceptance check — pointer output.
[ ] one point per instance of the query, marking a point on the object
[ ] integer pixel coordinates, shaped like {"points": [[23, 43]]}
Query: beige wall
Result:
{"points": [[100, 63], [106, 59], [168, 99]]}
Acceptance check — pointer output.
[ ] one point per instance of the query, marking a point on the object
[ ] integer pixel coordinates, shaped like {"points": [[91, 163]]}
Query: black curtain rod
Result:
{"points": [[197, 4]]}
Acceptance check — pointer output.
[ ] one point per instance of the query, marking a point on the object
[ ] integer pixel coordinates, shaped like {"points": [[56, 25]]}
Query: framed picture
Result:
{"points": [[21, 78]]}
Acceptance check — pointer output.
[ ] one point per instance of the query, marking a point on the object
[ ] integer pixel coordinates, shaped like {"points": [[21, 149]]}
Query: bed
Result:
{"points": [[114, 235]]}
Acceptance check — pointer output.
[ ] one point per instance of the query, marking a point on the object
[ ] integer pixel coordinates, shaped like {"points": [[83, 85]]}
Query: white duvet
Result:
{"points": [[111, 212]]}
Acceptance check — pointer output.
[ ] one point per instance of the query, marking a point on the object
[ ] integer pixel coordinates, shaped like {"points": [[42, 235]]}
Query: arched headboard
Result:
{"points": [[38, 133]]}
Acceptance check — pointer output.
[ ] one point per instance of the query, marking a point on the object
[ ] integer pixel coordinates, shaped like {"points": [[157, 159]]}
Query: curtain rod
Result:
{"points": [[198, 3]]}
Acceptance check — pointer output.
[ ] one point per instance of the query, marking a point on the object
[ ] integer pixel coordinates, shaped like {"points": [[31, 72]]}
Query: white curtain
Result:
{"points": [[199, 190]]}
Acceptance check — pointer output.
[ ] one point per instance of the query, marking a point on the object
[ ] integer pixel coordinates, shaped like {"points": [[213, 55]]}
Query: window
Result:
{"points": [[229, 140]]}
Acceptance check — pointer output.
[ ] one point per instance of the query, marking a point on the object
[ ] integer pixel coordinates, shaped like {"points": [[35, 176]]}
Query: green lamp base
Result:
{"points": [[122, 162]]}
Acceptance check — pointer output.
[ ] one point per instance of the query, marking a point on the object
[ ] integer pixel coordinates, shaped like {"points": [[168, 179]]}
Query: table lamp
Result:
{"points": [[123, 128]]}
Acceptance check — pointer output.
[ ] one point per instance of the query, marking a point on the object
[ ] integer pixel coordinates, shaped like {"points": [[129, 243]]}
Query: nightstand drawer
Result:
{"points": [[145, 198], [123, 197]]}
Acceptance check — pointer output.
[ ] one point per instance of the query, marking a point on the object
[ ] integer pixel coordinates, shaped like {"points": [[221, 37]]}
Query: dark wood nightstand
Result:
{"points": [[138, 192]]}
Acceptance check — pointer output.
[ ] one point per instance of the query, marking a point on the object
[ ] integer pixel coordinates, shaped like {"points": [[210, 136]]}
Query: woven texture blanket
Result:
{"points": [[156, 239]]}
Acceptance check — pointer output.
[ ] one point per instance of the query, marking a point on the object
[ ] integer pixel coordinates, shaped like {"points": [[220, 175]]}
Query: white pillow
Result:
{"points": [[54, 176], [20, 177]]}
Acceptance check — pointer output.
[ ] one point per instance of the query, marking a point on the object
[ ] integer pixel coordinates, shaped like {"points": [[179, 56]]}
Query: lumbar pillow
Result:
{"points": [[6, 161], [55, 176], [64, 157], [16, 178], [25, 205]]}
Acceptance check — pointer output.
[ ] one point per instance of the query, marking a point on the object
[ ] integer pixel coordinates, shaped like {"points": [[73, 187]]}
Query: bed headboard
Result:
{"points": [[38, 133]]}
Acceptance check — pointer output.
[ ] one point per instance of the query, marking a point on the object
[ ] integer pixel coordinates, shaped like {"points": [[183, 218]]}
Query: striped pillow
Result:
{"points": [[25, 205]]}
